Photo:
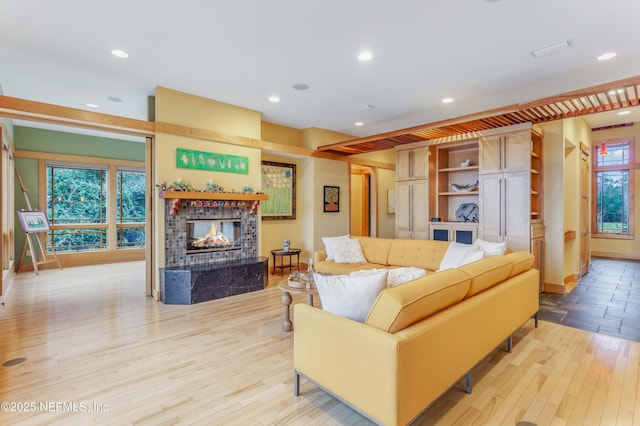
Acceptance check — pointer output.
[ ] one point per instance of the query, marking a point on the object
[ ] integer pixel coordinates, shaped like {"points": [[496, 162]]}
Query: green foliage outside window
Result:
{"points": [[78, 196]]}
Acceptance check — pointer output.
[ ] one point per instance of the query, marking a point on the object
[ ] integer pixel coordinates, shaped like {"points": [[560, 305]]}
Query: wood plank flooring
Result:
{"points": [[91, 338]]}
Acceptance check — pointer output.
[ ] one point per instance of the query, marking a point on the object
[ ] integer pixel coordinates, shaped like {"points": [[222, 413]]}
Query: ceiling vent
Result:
{"points": [[552, 49]]}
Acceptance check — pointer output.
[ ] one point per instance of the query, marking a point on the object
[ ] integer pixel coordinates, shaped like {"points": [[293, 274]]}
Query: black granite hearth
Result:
{"points": [[189, 284]]}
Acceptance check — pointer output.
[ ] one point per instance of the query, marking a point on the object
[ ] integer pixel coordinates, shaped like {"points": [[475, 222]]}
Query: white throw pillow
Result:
{"points": [[329, 244], [489, 248], [399, 276], [350, 296], [395, 276], [459, 254], [348, 251]]}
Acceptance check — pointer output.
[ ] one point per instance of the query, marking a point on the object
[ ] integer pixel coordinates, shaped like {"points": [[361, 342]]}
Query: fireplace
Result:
{"points": [[207, 235]]}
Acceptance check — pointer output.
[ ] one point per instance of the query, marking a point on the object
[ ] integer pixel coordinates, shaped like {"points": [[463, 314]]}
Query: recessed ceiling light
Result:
{"points": [[624, 112], [274, 99], [447, 100], [606, 56], [92, 105], [365, 55], [300, 86], [119, 53], [359, 123], [565, 44]]}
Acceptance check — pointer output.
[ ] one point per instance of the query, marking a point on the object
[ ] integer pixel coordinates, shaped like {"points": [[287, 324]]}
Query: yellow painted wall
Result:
{"points": [[206, 114], [553, 176], [576, 131], [356, 204], [298, 231], [386, 221], [281, 134], [617, 247], [330, 173]]}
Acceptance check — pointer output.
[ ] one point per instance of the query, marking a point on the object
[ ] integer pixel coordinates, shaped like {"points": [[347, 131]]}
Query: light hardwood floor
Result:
{"points": [[90, 336]]}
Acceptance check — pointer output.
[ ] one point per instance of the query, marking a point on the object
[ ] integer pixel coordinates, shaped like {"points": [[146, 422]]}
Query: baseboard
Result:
{"points": [[612, 255], [554, 288], [571, 278]]}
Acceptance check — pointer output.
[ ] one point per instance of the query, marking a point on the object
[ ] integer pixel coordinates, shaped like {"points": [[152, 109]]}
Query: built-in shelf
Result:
{"points": [[175, 198], [458, 169], [459, 193]]}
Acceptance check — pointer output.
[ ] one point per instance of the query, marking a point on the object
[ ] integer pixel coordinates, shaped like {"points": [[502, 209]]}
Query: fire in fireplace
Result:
{"points": [[205, 235]]}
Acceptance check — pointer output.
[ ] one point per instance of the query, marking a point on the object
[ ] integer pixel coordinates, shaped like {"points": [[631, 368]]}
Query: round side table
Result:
{"points": [[287, 291]]}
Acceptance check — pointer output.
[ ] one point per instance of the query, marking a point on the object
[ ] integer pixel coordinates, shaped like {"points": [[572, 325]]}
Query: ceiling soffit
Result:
{"points": [[605, 97]]}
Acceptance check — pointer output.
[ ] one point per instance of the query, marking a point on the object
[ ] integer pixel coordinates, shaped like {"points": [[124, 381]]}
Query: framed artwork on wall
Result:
{"points": [[331, 199], [279, 183], [33, 221], [391, 201]]}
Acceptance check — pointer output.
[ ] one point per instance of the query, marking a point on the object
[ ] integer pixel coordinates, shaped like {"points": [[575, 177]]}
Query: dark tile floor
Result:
{"points": [[606, 300]]}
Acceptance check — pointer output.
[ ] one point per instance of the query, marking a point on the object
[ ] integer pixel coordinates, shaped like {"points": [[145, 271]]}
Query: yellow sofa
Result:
{"points": [[385, 253], [419, 338]]}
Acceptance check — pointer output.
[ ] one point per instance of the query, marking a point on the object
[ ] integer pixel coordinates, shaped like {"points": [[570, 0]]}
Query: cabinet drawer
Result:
{"points": [[537, 230]]}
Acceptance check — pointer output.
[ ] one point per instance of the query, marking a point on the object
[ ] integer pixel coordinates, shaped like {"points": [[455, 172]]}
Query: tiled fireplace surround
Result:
{"points": [[198, 277]]}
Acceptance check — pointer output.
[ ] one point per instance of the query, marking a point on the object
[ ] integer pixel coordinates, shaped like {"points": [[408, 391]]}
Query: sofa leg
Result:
{"points": [[535, 318], [509, 343], [468, 383], [296, 383]]}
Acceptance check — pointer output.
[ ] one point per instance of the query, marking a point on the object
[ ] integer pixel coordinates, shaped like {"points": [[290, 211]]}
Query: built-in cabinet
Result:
{"points": [[460, 232], [412, 219], [412, 192], [433, 179]]}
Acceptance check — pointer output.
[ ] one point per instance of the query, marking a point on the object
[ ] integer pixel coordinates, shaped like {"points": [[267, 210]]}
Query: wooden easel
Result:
{"points": [[41, 237]]}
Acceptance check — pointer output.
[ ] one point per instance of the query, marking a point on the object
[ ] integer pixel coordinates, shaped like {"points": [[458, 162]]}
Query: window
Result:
{"points": [[130, 208], [613, 188], [79, 211], [77, 207]]}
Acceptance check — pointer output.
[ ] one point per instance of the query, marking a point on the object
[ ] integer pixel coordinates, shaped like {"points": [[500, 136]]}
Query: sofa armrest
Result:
{"points": [[319, 256], [337, 354]]}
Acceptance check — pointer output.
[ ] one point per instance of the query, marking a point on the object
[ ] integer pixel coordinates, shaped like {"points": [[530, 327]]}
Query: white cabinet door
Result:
{"points": [[420, 209], [505, 153], [403, 164], [421, 163], [491, 205], [403, 209], [517, 224], [412, 164], [517, 151], [412, 212], [490, 155]]}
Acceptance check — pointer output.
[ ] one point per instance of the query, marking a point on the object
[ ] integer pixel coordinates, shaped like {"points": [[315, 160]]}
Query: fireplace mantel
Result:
{"points": [[176, 197]]}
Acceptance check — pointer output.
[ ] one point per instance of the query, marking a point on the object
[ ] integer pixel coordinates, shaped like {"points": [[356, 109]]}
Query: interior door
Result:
{"points": [[585, 252]]}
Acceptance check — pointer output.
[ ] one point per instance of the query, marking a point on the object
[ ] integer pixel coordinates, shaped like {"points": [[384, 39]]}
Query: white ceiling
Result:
{"points": [[243, 51]]}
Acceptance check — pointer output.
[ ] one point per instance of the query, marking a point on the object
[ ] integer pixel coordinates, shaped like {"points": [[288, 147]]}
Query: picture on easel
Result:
{"points": [[33, 221]]}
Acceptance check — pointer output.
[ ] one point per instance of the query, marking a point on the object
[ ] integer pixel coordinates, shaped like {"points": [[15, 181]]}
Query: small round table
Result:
{"points": [[282, 254], [283, 285]]}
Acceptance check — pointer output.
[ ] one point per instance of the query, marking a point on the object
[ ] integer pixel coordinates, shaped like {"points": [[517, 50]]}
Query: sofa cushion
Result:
{"points": [[486, 273], [521, 261], [376, 250], [425, 254], [329, 244], [331, 267], [349, 296], [399, 307], [458, 254], [348, 251]]}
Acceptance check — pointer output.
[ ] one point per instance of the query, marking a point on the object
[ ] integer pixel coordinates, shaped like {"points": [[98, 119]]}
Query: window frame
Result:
{"points": [[630, 166], [84, 162]]}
